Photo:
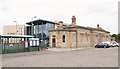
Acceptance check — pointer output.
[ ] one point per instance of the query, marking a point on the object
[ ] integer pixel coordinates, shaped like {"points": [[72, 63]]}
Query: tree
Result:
{"points": [[117, 36], [114, 35]]}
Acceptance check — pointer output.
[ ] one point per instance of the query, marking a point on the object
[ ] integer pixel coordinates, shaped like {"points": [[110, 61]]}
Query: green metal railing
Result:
{"points": [[6, 47], [17, 48], [14, 48]]}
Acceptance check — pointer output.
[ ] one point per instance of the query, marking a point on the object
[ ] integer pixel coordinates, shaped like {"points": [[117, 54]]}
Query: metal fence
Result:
{"points": [[19, 44], [16, 44], [16, 48]]}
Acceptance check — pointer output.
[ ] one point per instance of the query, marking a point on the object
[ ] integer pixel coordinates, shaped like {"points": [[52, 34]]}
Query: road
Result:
{"points": [[89, 57]]}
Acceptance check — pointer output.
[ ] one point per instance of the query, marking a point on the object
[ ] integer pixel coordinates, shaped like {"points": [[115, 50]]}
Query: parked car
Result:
{"points": [[102, 45], [107, 42], [112, 43]]}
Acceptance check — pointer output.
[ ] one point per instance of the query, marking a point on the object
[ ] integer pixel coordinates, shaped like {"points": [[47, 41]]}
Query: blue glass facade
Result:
{"points": [[41, 31]]}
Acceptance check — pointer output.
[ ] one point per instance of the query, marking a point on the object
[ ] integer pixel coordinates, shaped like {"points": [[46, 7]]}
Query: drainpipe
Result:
{"points": [[76, 38]]}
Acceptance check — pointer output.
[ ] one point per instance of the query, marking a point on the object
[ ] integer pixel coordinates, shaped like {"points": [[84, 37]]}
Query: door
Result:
{"points": [[53, 41]]}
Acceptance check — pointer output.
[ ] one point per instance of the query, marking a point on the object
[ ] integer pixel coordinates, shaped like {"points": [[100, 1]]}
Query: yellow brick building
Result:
{"points": [[72, 36]]}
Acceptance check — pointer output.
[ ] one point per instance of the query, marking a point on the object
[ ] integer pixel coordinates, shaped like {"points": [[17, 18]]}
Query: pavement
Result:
{"points": [[55, 57], [42, 51], [66, 49]]}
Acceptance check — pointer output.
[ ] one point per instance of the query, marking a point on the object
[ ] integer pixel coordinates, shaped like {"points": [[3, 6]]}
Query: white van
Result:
{"points": [[112, 43]]}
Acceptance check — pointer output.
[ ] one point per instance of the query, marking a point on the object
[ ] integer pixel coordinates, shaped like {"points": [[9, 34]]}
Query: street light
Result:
{"points": [[16, 26], [32, 29]]}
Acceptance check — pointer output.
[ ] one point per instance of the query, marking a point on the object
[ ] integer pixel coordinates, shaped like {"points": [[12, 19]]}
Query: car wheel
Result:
{"points": [[111, 46], [105, 46], [95, 46]]}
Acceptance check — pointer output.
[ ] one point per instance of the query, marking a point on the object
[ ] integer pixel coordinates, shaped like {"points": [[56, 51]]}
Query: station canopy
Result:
{"points": [[39, 22]]}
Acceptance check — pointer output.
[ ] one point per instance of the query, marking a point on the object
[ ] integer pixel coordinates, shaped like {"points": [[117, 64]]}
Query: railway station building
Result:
{"points": [[71, 36]]}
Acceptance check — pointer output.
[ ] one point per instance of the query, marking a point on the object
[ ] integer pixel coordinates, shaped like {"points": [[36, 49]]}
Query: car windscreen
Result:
{"points": [[102, 43]]}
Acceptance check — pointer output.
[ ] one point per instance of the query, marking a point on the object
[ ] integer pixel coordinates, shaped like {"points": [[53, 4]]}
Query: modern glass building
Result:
{"points": [[39, 29]]}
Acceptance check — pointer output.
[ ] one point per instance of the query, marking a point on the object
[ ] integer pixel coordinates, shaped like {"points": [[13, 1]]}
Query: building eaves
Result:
{"points": [[88, 28], [62, 30], [39, 21]]}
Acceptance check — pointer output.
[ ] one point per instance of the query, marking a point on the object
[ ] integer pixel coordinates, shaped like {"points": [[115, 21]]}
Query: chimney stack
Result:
{"points": [[73, 20], [60, 23]]}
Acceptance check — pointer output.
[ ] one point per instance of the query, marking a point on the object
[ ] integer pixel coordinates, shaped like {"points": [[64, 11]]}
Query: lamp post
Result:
{"points": [[32, 29], [16, 26]]}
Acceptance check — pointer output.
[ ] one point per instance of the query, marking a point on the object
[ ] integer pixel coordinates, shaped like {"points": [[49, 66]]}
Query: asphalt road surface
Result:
{"points": [[89, 57]]}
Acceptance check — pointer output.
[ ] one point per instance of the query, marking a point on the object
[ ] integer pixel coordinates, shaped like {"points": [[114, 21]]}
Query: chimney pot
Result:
{"points": [[73, 20], [98, 26]]}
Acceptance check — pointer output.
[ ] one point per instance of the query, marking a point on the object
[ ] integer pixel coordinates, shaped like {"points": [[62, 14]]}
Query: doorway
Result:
{"points": [[53, 41]]}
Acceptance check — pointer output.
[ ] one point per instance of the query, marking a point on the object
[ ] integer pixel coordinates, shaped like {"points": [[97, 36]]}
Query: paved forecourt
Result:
{"points": [[83, 57]]}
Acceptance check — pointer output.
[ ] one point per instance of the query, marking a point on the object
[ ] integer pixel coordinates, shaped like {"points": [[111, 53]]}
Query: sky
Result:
{"points": [[88, 13]]}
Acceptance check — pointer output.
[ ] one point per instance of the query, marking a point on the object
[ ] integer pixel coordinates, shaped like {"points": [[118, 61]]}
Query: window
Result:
{"points": [[81, 36], [21, 29], [63, 38], [87, 38], [53, 35]]}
